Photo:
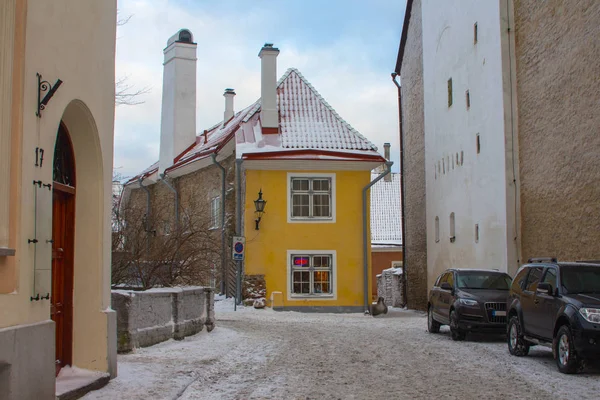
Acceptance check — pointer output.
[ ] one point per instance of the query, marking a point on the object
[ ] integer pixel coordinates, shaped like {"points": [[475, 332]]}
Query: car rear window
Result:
{"points": [[580, 279], [483, 280]]}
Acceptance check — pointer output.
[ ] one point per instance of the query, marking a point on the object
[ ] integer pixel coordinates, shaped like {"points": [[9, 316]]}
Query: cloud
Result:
{"points": [[342, 68]]}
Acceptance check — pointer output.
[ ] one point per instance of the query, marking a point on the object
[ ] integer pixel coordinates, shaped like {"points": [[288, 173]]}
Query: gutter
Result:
{"points": [[238, 228], [223, 255], [402, 220], [388, 169], [164, 180]]}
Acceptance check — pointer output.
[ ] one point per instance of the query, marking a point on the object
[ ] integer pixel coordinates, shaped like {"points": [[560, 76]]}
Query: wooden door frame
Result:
{"points": [[67, 194]]}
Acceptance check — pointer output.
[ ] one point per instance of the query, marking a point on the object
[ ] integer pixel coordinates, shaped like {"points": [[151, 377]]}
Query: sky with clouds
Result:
{"points": [[345, 48]]}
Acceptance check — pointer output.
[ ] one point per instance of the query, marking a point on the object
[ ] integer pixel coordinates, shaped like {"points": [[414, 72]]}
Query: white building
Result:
{"points": [[470, 161]]}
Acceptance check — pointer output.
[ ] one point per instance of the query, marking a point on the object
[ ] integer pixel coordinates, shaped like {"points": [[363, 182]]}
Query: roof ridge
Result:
{"points": [[327, 105]]}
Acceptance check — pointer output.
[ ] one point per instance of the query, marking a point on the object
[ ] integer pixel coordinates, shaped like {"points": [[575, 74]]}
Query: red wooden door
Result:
{"points": [[63, 241], [63, 212]]}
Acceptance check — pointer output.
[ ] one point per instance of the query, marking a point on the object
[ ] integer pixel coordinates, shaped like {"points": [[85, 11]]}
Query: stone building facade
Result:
{"points": [[558, 92], [195, 190], [410, 70], [531, 67]]}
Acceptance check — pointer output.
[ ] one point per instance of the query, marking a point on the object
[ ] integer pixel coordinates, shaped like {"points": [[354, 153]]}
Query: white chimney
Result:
{"points": [[178, 118], [386, 154], [268, 88], [229, 95]]}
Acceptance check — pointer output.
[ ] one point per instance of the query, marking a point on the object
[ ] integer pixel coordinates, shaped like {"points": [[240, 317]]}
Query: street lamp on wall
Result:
{"points": [[259, 205]]}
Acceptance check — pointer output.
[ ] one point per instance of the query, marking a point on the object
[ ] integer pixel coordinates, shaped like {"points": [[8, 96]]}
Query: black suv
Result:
{"points": [[468, 300], [557, 305]]}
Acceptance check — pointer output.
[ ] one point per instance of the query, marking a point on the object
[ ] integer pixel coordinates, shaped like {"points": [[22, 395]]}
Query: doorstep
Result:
{"points": [[74, 383]]}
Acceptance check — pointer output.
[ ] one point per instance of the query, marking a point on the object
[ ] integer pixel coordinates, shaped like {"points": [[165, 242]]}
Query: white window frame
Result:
{"points": [[215, 215], [324, 296], [304, 220]]}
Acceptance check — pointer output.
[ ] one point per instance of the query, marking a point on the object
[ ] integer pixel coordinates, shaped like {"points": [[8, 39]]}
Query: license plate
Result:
{"points": [[498, 313]]}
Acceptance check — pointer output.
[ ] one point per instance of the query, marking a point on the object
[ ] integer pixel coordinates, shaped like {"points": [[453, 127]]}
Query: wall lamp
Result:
{"points": [[259, 205]]}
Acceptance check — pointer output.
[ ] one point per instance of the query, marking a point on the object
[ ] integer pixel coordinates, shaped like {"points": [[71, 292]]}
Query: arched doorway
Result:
{"points": [[63, 239]]}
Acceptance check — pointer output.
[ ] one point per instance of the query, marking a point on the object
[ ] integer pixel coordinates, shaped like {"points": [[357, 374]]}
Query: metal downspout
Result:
{"points": [[404, 277], [238, 227], [388, 169], [164, 180], [147, 222], [223, 255]]}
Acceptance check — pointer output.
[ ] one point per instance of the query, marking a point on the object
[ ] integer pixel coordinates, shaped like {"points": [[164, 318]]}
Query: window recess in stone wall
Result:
{"points": [[452, 228], [478, 143], [476, 233], [437, 229], [449, 92], [215, 212], [475, 33], [468, 99]]}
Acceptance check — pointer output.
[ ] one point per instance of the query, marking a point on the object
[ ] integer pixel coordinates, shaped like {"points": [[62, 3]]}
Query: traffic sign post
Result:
{"points": [[238, 248]]}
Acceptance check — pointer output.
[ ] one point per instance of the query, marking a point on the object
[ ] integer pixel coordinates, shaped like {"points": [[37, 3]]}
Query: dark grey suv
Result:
{"points": [[469, 300]]}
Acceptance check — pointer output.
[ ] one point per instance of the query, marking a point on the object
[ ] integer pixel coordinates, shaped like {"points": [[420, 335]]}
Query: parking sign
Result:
{"points": [[238, 247]]}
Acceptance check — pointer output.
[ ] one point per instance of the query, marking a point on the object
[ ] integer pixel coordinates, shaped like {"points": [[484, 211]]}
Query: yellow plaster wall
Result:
{"points": [[266, 249]]}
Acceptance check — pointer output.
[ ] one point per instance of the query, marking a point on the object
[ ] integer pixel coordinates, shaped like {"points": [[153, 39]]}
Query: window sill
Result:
{"points": [[6, 252], [311, 296], [293, 220]]}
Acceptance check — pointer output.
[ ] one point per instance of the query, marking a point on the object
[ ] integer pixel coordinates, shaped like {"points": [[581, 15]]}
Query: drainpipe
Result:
{"points": [[223, 255], [163, 177], [238, 228], [388, 169], [147, 227], [402, 221]]}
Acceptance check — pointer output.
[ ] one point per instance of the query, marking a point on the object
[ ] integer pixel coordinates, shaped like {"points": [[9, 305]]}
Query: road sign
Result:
{"points": [[238, 247]]}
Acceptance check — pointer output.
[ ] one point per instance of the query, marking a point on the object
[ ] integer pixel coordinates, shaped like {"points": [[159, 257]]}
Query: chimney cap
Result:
{"points": [[268, 47], [386, 145], [182, 36], [229, 91]]}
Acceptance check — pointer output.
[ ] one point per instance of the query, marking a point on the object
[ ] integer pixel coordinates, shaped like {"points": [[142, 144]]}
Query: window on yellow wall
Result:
{"points": [[311, 198], [311, 275]]}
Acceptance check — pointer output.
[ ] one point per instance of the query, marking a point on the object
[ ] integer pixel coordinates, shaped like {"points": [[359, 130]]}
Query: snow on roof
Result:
{"points": [[307, 122], [386, 227]]}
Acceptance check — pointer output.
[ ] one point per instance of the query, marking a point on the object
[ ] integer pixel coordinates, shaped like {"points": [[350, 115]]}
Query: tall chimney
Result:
{"points": [[386, 154], [268, 88], [229, 95], [178, 118]]}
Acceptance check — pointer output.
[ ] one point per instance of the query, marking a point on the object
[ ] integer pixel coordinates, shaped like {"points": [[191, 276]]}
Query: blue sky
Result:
{"points": [[346, 49]]}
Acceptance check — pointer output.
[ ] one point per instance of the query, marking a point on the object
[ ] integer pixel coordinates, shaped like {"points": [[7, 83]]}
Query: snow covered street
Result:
{"points": [[262, 354]]}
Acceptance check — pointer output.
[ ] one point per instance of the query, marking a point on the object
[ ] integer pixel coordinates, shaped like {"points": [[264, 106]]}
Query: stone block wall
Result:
{"points": [[145, 318], [558, 93], [414, 163], [390, 285], [254, 287], [195, 191]]}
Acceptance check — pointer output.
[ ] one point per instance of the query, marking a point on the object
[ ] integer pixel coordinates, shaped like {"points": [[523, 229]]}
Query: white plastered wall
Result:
{"points": [[474, 188]]}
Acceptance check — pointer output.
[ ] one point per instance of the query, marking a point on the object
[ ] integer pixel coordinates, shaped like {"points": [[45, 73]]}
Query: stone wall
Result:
{"points": [[414, 163], [558, 94], [195, 193], [254, 287], [381, 260], [153, 316], [389, 286]]}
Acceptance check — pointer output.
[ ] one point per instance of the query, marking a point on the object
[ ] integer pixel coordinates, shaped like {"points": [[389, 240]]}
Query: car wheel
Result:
{"points": [[517, 345], [566, 357], [457, 334], [432, 325]]}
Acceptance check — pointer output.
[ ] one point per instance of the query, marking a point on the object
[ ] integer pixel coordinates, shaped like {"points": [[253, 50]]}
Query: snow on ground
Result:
{"points": [[263, 354], [71, 378]]}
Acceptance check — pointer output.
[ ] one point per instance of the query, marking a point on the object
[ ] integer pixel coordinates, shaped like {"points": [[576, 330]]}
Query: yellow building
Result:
{"points": [[312, 245], [56, 141], [313, 169]]}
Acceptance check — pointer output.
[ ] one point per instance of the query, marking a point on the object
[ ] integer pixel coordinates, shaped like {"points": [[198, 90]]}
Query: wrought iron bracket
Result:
{"points": [[44, 86]]}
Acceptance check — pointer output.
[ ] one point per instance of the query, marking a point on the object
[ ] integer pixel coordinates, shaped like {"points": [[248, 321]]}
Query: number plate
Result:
{"points": [[498, 313]]}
